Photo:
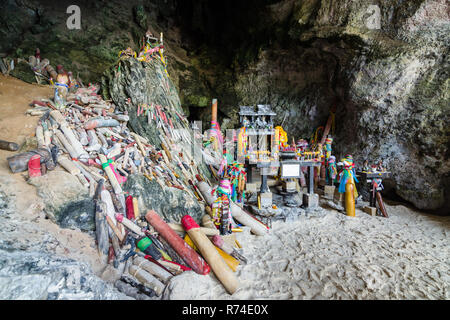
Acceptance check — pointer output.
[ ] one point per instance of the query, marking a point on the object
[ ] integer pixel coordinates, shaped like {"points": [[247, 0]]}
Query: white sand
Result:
{"points": [[332, 256]]}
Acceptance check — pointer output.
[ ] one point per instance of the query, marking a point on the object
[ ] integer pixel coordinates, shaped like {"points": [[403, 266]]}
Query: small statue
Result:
{"points": [[366, 167], [302, 145], [61, 91], [245, 122], [263, 122], [242, 142], [73, 83], [260, 122], [380, 167]]}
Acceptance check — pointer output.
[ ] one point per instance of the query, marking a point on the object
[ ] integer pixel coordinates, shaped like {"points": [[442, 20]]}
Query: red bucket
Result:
{"points": [[34, 166]]}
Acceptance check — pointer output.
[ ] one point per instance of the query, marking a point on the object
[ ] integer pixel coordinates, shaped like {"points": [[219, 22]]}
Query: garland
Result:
{"points": [[237, 176], [331, 170], [348, 174]]}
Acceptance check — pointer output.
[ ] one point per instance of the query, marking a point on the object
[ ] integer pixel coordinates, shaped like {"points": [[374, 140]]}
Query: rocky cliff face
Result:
{"points": [[34, 266], [396, 105], [107, 26], [385, 63], [132, 84]]}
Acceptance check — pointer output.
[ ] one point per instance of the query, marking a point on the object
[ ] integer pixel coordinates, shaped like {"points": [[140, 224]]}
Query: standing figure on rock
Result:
{"points": [[61, 86]]}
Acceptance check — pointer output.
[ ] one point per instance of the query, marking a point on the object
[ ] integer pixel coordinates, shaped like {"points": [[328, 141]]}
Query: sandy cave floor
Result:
{"points": [[325, 255], [331, 256]]}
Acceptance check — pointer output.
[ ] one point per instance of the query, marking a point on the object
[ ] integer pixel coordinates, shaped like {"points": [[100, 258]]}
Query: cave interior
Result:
{"points": [[302, 57]]}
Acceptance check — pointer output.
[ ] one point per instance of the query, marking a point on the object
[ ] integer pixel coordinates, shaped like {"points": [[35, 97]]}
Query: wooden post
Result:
{"points": [[152, 268], [66, 144], [147, 279], [112, 178], [69, 165], [129, 224], [207, 231], [136, 208], [94, 144], [311, 180], [214, 110], [139, 143], [69, 135], [114, 228], [48, 137], [98, 123], [192, 258], [207, 222], [40, 136], [381, 204], [209, 252], [328, 125], [349, 198], [101, 226]]}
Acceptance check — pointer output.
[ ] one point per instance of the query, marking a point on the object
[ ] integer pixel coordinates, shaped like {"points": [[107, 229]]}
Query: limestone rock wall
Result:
{"points": [[385, 64]]}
